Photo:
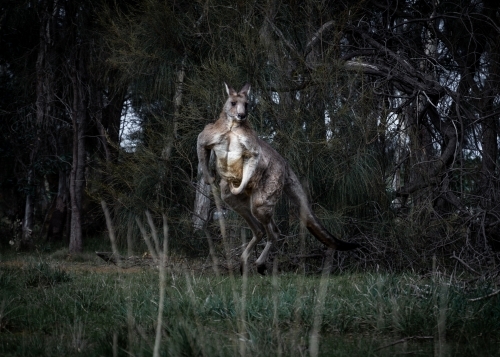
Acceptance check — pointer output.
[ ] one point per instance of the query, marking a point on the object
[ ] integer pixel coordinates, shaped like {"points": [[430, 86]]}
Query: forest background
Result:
{"points": [[387, 110]]}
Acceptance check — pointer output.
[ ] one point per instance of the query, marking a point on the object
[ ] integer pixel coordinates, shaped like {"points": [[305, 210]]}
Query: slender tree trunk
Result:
{"points": [[58, 217], [77, 178], [108, 118], [97, 106], [112, 114], [29, 217], [167, 150]]}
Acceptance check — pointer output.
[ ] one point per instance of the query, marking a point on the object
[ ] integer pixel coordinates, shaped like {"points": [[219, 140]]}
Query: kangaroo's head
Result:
{"points": [[236, 103]]}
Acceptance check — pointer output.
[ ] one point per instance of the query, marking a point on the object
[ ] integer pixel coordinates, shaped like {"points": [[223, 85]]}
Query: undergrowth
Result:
{"points": [[49, 308]]}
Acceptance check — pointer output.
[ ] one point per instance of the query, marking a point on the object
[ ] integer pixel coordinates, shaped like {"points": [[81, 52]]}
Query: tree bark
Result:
{"points": [[112, 113], [29, 218], [108, 107], [201, 202], [58, 217], [44, 99], [77, 179]]}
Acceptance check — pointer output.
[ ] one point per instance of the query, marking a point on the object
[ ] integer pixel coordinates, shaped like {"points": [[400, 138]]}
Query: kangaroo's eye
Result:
{"points": [[233, 103]]}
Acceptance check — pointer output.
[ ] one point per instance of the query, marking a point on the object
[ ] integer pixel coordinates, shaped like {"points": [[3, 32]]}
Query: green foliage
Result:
{"points": [[99, 310]]}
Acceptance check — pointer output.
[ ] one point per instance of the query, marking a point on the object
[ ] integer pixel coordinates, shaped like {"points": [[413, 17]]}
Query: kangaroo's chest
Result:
{"points": [[230, 153]]}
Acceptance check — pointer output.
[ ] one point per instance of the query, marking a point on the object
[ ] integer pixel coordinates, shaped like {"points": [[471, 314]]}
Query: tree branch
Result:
{"points": [[317, 35]]}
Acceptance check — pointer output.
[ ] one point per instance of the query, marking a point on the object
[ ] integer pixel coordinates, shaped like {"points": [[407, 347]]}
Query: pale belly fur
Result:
{"points": [[230, 164]]}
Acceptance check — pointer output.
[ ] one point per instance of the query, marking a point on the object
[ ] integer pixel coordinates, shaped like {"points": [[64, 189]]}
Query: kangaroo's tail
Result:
{"points": [[294, 190]]}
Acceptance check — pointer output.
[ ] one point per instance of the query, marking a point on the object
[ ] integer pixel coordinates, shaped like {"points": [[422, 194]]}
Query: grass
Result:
{"points": [[52, 307]]}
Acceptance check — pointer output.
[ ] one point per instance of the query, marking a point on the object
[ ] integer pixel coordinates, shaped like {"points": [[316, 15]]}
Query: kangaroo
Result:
{"points": [[253, 177]]}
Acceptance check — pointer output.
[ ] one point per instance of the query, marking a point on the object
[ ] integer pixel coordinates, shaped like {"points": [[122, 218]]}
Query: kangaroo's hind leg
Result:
{"points": [[264, 200], [241, 205], [273, 234]]}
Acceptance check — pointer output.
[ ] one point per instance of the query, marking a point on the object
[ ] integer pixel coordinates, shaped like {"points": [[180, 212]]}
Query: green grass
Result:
{"points": [[60, 308]]}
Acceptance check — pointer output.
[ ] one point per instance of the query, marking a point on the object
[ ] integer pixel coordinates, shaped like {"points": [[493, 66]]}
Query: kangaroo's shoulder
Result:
{"points": [[212, 131], [266, 147], [246, 133]]}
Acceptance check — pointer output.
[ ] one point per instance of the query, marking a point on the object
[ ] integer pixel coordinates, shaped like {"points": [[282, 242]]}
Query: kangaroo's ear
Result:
{"points": [[246, 89], [229, 89]]}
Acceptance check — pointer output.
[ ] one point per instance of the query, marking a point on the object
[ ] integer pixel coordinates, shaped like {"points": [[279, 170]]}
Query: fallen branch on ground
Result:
{"points": [[405, 340], [127, 262]]}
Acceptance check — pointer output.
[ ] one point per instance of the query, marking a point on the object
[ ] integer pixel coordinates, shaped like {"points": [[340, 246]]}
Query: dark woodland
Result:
{"points": [[388, 111]]}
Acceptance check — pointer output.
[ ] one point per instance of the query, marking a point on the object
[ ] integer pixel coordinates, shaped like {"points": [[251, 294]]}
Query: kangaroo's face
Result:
{"points": [[236, 103]]}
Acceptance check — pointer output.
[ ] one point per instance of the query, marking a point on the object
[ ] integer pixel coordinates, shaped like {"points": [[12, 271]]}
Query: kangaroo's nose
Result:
{"points": [[242, 115]]}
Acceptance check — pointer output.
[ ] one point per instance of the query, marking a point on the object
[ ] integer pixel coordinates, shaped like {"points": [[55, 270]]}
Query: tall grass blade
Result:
{"points": [[111, 233], [320, 306], [146, 239], [162, 276]]}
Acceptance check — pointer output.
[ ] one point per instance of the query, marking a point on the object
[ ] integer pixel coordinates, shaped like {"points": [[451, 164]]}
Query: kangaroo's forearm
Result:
{"points": [[249, 169]]}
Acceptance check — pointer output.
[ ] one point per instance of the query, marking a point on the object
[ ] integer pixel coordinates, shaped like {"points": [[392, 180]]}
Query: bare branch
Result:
{"points": [[486, 296], [317, 35]]}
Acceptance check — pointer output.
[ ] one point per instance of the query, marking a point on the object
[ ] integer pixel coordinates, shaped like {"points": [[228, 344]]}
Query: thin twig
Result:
{"points": [[486, 296], [404, 340], [464, 264], [308, 256]]}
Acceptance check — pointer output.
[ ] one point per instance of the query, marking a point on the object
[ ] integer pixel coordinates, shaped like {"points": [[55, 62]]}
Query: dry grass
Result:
{"points": [[92, 308]]}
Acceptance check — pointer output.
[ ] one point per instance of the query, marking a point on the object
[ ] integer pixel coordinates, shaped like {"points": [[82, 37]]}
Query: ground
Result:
{"points": [[56, 304]]}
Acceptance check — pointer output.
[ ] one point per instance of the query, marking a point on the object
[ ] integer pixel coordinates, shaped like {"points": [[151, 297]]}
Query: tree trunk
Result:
{"points": [[58, 217], [77, 178], [112, 114], [108, 118], [201, 202], [98, 109], [44, 98], [28, 221]]}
